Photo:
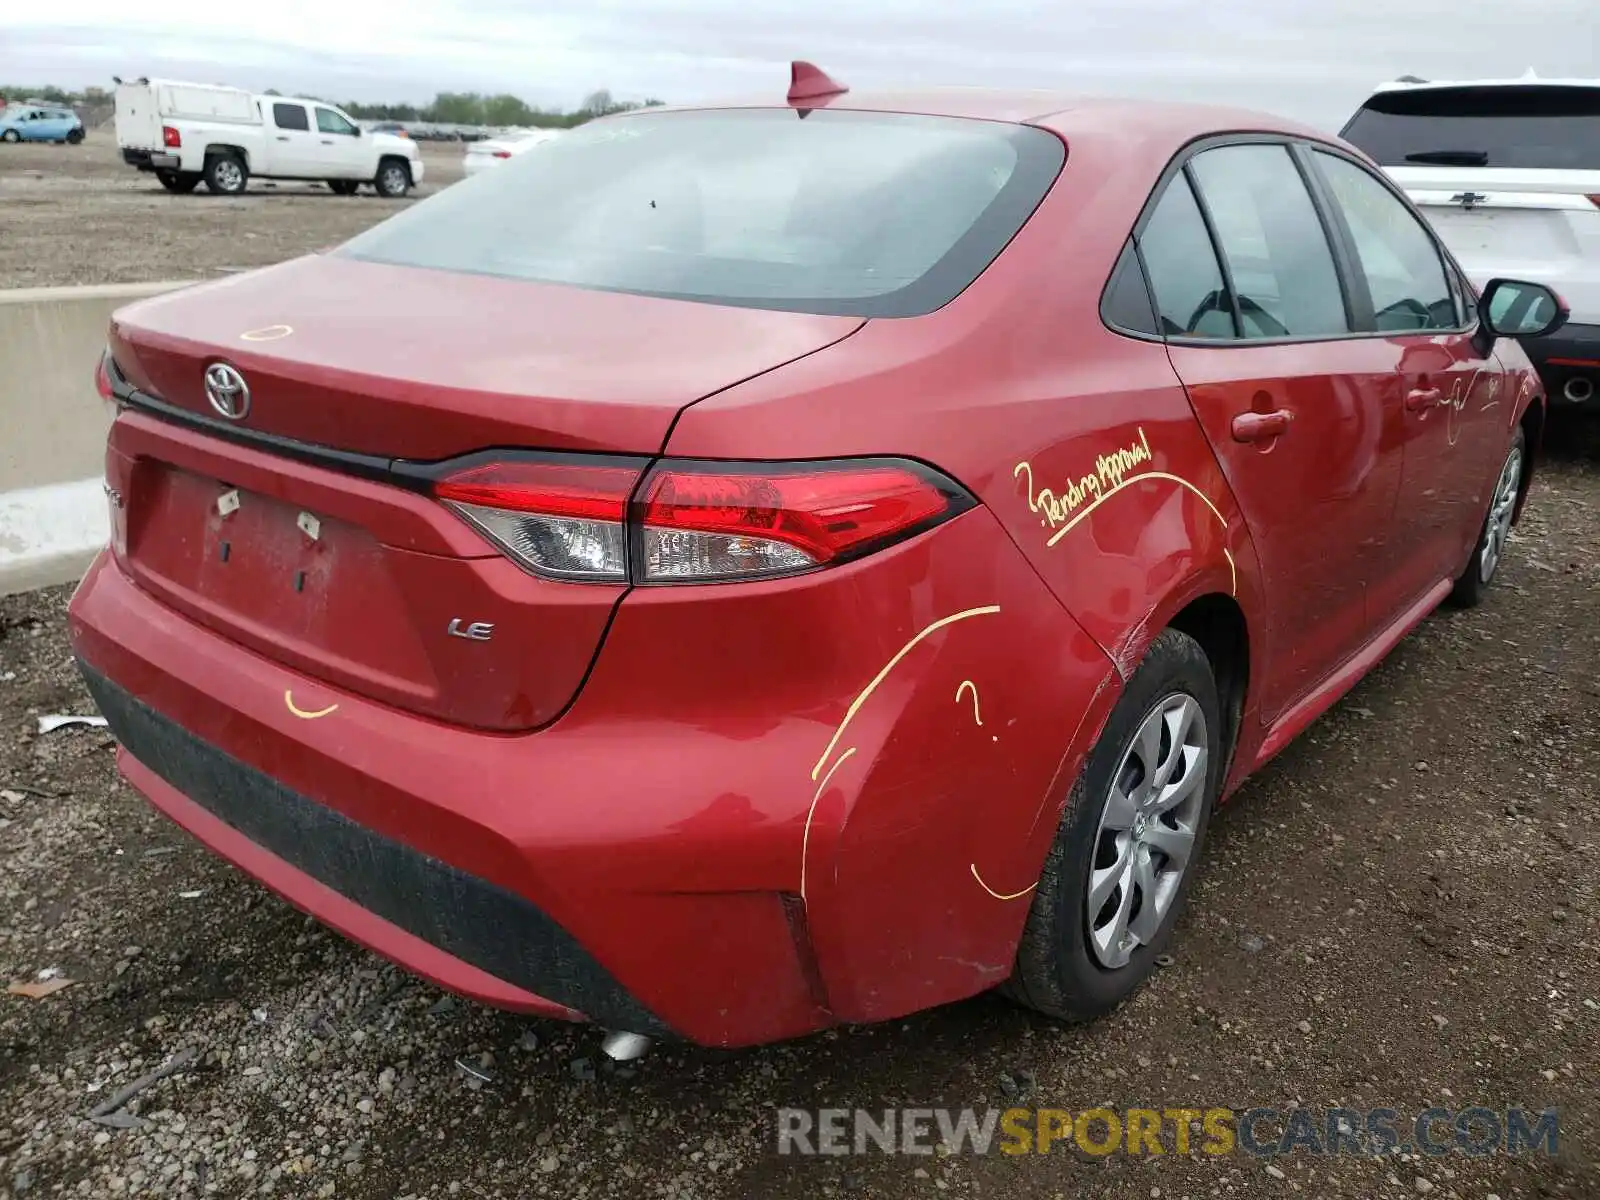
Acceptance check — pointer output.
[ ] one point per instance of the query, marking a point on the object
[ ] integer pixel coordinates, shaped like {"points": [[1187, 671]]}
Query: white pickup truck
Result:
{"points": [[189, 133]]}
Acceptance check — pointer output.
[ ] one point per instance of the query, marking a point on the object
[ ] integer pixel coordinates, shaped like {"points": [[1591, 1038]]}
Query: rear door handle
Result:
{"points": [[283, 137], [327, 141], [1261, 427], [1420, 399]]}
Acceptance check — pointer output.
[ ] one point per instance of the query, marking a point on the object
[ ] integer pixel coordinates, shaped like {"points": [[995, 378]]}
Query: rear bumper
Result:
{"points": [[151, 160], [713, 843], [1572, 352], [460, 931]]}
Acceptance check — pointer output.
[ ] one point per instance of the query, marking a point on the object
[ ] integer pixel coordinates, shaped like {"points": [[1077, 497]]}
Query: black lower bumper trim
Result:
{"points": [[1573, 351], [477, 921]]}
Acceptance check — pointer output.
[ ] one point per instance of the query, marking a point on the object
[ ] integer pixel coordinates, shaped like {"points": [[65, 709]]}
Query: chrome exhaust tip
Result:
{"points": [[1579, 389], [625, 1047]]}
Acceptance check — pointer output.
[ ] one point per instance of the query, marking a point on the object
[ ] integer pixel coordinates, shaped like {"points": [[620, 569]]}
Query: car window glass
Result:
{"points": [[870, 214], [1127, 301], [290, 116], [1189, 293], [1402, 266], [1541, 126], [1273, 242], [329, 121]]}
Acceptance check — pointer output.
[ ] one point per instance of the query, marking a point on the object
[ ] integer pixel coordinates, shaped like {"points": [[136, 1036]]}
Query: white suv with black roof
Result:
{"points": [[1508, 172]]}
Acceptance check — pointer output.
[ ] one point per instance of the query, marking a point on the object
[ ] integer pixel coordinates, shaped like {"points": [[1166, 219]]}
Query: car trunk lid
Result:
{"points": [[285, 530]]}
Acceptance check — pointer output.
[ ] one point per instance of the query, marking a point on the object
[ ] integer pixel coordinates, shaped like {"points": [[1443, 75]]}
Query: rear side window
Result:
{"points": [[290, 116], [1277, 252], [869, 214], [1126, 304], [1402, 266], [1523, 125], [1191, 299]]}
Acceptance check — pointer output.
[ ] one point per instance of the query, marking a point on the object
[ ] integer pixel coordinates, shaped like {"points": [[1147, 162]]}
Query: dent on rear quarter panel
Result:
{"points": [[933, 796]]}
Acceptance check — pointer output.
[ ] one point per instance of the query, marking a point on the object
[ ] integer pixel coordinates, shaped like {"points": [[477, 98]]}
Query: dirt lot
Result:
{"points": [[77, 214], [1403, 910]]}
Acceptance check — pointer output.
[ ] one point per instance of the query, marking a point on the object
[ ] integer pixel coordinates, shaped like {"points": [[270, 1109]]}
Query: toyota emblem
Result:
{"points": [[228, 392]]}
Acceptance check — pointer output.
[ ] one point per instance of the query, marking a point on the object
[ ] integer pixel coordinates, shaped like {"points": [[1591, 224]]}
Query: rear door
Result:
{"points": [[292, 143], [1453, 421], [1259, 330], [138, 120], [344, 153], [1509, 175]]}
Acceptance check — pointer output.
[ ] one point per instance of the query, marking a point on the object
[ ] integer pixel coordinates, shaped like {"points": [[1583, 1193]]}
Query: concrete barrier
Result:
{"points": [[53, 429]]}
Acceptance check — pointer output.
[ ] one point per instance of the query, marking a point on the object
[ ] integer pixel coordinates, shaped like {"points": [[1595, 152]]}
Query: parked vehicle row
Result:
{"points": [[1508, 172], [187, 134]]}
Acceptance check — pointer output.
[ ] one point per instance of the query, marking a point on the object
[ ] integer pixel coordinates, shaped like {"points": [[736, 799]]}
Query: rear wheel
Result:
{"points": [[11, 136], [226, 175], [1119, 870], [394, 179], [343, 187], [181, 182], [1496, 531], [74, 137]]}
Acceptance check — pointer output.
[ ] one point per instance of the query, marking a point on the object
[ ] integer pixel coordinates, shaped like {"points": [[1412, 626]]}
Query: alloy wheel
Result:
{"points": [[1498, 527], [1147, 830]]}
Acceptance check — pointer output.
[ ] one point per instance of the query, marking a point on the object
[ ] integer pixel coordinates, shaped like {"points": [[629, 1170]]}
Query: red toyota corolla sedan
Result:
{"points": [[736, 571]]}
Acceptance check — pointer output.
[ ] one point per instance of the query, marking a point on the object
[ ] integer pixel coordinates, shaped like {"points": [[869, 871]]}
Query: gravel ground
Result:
{"points": [[78, 214], [1401, 911]]}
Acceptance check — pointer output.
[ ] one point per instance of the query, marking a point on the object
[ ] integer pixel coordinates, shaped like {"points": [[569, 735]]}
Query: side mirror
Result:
{"points": [[356, 130], [1515, 308]]}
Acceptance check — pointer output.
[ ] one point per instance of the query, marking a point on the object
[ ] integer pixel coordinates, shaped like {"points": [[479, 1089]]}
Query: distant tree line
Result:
{"points": [[448, 108]]}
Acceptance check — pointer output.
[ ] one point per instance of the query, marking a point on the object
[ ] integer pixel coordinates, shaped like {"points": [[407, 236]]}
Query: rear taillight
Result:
{"points": [[171, 138], [695, 522], [1595, 200], [558, 518], [704, 521], [102, 379], [502, 153]]}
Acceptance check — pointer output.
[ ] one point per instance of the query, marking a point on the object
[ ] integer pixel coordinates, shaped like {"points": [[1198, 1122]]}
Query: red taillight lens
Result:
{"points": [[557, 518], [570, 517], [1595, 200], [171, 137], [102, 380], [501, 153], [711, 522]]}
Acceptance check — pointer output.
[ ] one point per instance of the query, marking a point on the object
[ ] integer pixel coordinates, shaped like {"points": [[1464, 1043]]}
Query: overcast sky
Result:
{"points": [[1312, 59]]}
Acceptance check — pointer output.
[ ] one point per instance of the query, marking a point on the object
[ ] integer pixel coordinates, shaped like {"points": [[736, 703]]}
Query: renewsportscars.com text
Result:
{"points": [[1263, 1132]]}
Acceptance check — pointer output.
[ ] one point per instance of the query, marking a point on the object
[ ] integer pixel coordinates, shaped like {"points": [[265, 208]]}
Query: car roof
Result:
{"points": [[1528, 80], [1062, 111]]}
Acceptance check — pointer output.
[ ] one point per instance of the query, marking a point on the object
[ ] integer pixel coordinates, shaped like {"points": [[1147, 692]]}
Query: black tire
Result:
{"points": [[226, 175], [1487, 555], [74, 137], [1057, 972], [343, 187], [393, 179], [179, 182], [11, 136]]}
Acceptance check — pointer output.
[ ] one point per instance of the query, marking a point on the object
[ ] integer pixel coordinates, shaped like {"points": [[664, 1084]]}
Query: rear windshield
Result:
{"points": [[826, 212], [1528, 125]]}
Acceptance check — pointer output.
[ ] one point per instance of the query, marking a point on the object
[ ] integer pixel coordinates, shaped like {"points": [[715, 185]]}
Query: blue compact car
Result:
{"points": [[39, 123]]}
